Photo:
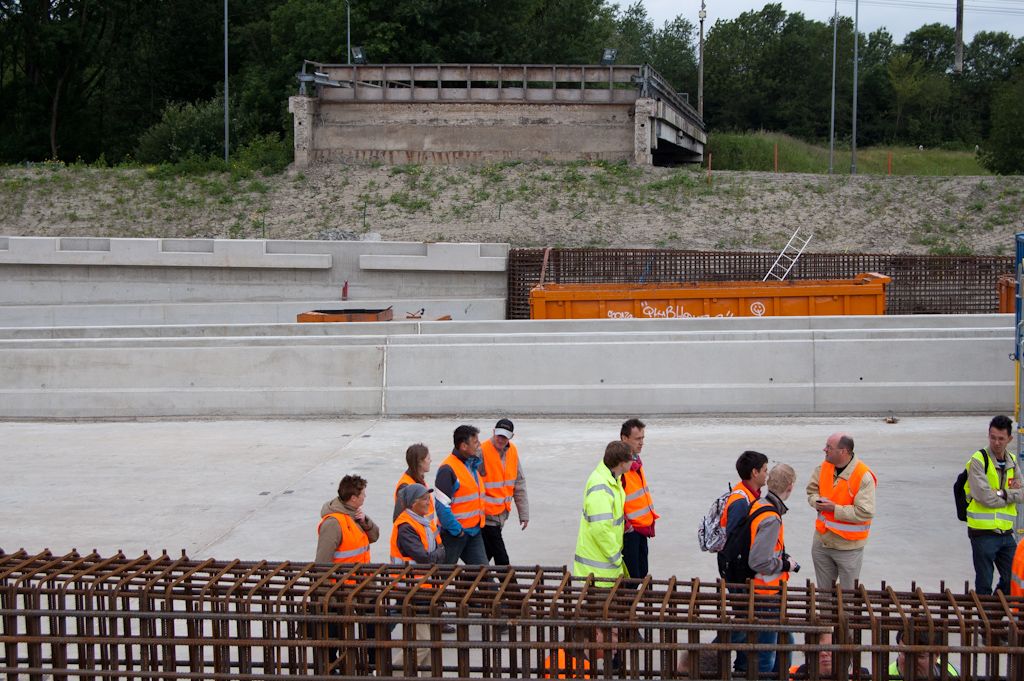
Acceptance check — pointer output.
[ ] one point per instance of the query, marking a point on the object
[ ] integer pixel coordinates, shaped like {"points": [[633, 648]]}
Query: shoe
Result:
{"points": [[447, 628]]}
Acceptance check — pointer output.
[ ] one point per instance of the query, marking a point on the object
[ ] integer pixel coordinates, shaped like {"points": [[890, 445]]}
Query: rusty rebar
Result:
{"points": [[89, 617]]}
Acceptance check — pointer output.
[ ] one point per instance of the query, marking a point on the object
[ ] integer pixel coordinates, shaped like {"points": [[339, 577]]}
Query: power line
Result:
{"points": [[932, 6]]}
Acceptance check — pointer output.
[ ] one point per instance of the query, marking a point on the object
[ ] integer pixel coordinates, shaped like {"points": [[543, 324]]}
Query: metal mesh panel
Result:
{"points": [[86, 617], [921, 284]]}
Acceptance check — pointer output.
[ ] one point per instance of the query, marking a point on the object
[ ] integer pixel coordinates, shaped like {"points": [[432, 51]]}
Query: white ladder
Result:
{"points": [[788, 257]]}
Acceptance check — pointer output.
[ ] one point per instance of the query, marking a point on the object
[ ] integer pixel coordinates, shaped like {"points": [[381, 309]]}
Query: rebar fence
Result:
{"points": [[88, 617], [921, 284]]}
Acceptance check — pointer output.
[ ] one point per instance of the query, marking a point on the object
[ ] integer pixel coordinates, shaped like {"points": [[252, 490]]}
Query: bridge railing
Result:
{"points": [[532, 83]]}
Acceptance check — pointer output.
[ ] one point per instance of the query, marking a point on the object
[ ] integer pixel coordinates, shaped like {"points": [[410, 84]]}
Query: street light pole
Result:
{"points": [[348, 33], [856, 38], [700, 65], [225, 81], [832, 120]]}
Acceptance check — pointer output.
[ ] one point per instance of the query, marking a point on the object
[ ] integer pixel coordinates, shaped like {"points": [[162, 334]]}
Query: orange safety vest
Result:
{"points": [[842, 495], [563, 668], [1017, 576], [406, 519], [406, 479], [639, 507], [355, 545], [499, 481], [740, 490], [468, 500], [768, 584]]}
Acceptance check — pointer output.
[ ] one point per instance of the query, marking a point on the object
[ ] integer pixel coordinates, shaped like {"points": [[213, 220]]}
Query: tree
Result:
{"points": [[673, 53], [905, 79], [1003, 151], [933, 45]]}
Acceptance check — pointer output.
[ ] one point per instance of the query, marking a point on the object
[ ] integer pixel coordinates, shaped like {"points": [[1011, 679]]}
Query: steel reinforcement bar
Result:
{"points": [[89, 617]]}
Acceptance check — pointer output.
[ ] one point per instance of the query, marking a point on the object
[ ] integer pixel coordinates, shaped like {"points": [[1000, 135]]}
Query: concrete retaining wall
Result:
{"points": [[837, 365], [114, 282]]}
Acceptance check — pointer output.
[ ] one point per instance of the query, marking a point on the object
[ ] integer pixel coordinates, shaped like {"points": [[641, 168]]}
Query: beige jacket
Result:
{"points": [[861, 510], [330, 531]]}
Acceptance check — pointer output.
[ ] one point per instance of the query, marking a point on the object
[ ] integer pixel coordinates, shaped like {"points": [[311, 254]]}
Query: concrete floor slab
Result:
{"points": [[253, 489]]}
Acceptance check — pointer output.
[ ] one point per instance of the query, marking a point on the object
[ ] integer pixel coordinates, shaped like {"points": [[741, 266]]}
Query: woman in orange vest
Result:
{"points": [[344, 536], [415, 539], [345, 531], [417, 457]]}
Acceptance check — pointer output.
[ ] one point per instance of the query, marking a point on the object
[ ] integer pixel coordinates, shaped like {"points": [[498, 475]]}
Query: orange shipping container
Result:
{"points": [[1007, 294], [863, 295]]}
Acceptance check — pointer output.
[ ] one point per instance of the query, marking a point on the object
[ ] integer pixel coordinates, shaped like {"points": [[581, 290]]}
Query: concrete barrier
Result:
{"points": [[116, 282], [792, 365]]}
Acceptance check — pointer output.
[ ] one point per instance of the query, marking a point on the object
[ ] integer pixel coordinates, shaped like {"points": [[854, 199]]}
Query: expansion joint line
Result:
{"points": [[384, 378]]}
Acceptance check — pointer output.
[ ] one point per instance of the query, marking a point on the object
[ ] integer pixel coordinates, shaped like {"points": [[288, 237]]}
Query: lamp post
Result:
{"points": [[225, 81], [348, 31], [700, 64], [856, 37], [832, 120]]}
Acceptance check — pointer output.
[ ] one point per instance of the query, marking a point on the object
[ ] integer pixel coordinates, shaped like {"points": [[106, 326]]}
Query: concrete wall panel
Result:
{"points": [[900, 365]]}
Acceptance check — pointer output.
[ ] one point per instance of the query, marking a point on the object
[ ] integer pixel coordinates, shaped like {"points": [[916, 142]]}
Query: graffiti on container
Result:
{"points": [[650, 312], [757, 309]]}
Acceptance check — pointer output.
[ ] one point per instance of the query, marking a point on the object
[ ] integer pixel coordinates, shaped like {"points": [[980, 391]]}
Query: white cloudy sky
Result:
{"points": [[898, 16]]}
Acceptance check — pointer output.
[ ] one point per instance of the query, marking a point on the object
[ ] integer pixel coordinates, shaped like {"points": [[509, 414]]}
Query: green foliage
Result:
{"points": [[1003, 152], [187, 130]]}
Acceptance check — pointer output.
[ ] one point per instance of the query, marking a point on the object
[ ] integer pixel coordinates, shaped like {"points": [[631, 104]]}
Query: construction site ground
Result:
{"points": [[253, 489]]}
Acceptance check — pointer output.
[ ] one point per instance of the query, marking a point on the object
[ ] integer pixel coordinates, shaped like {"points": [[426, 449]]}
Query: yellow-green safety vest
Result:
{"points": [[981, 517]]}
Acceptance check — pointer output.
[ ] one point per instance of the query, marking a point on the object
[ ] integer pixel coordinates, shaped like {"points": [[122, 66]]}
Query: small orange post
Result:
{"points": [[709, 168], [890, 163], [776, 157]]}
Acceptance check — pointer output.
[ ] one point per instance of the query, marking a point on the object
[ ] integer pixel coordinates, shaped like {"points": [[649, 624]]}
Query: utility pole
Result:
{"points": [[348, 17], [700, 65], [832, 120], [225, 81], [958, 64], [856, 38]]}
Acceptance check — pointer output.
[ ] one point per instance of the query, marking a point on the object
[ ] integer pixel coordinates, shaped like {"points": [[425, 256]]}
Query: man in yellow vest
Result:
{"points": [[640, 515], [993, 490], [926, 665], [346, 532], [459, 500], [503, 481], [842, 491], [599, 542]]}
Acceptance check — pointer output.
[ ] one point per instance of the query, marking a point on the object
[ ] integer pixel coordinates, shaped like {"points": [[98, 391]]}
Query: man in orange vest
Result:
{"points": [[752, 467], [459, 500], [639, 508], [842, 491], [503, 481], [346, 532]]}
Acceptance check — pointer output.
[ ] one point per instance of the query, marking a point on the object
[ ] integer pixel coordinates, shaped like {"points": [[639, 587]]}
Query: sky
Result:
{"points": [[899, 17]]}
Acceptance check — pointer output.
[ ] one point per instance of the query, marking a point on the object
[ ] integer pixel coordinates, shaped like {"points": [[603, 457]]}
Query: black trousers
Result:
{"points": [[494, 545], [634, 554]]}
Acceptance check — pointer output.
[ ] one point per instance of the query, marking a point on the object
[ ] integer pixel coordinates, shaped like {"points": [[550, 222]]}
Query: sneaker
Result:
{"points": [[447, 628]]}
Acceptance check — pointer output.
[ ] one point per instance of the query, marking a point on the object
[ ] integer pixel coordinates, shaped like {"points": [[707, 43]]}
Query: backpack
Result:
{"points": [[710, 533], [960, 494], [734, 557]]}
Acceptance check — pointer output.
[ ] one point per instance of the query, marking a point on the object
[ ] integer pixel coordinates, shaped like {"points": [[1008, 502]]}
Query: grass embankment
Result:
{"points": [[756, 151]]}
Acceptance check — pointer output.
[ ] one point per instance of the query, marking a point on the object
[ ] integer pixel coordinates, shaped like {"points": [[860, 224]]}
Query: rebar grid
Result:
{"points": [[88, 617], [921, 284]]}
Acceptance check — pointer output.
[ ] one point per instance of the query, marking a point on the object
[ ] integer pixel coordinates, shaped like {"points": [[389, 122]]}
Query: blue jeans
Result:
{"points": [[765, 658], [992, 550], [469, 548]]}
